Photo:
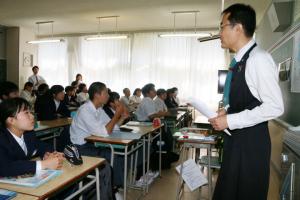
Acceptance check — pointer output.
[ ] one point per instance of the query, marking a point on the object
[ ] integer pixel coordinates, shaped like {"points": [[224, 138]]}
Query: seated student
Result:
{"points": [[51, 105], [160, 100], [125, 100], [175, 97], [27, 93], [110, 109], [146, 111], [8, 90], [70, 98], [18, 144], [170, 103], [82, 93], [136, 99], [78, 78], [90, 120]]}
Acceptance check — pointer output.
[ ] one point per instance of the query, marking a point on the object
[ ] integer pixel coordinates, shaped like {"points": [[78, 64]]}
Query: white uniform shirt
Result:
{"points": [[160, 104], [36, 78], [88, 121], [145, 109], [262, 79]]}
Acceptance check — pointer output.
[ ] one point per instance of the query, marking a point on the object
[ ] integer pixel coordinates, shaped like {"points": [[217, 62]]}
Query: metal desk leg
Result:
{"points": [[160, 136], [125, 172], [209, 173], [148, 162], [144, 161], [80, 187], [97, 183]]}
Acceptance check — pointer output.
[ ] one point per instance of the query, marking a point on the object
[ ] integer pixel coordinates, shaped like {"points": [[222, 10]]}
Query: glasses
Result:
{"points": [[221, 27]]}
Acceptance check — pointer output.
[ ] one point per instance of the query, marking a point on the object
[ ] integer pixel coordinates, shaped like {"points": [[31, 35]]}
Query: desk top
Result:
{"points": [[47, 124], [70, 174], [25, 197], [194, 141], [142, 130]]}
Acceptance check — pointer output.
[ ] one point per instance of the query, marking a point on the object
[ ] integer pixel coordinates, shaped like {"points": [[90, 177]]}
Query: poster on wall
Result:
{"points": [[295, 73]]}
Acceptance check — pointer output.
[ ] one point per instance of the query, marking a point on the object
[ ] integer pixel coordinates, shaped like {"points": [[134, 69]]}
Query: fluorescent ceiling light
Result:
{"points": [[45, 41], [185, 35], [107, 37]]}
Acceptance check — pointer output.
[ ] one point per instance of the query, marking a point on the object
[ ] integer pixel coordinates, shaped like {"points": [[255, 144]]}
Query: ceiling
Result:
{"points": [[79, 16]]}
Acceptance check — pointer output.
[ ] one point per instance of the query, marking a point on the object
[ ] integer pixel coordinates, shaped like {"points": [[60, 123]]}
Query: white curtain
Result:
{"points": [[189, 65]]}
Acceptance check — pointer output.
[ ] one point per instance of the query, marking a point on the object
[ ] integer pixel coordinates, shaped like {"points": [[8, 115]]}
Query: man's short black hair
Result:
{"points": [[112, 97], [7, 87], [161, 91], [11, 107], [78, 75], [81, 86], [96, 87], [35, 67], [28, 84], [147, 88], [43, 88], [55, 89], [74, 83], [242, 14], [69, 88]]}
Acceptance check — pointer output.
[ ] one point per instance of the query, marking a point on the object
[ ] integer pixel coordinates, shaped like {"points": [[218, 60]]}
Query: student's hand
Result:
{"points": [[52, 163], [221, 112], [219, 123], [53, 155]]}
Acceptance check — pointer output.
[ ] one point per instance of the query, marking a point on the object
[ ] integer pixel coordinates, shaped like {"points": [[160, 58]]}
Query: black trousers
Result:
{"points": [[244, 173]]}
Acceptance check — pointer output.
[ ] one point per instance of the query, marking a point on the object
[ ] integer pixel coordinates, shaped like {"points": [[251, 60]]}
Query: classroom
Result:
{"points": [[152, 100]]}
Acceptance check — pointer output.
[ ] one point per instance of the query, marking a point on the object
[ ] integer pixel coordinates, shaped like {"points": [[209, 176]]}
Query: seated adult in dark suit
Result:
{"points": [[51, 105], [170, 102], [18, 144], [70, 97]]}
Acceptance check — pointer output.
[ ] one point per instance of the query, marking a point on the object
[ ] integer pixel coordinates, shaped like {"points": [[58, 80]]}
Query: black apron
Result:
{"points": [[244, 173]]}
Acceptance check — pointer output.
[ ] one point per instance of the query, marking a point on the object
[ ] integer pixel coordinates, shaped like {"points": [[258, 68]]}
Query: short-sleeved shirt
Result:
{"points": [[160, 104], [145, 109], [88, 121]]}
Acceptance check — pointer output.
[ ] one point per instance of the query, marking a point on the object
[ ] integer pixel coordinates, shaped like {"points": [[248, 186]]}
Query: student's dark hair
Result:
{"points": [[7, 87], [147, 88], [35, 67], [112, 97], [55, 89], [175, 89], [28, 84], [74, 83], [136, 91], [69, 88], [43, 88], [81, 87], [124, 90], [160, 91], [11, 107], [96, 87], [242, 14], [170, 91], [78, 75]]}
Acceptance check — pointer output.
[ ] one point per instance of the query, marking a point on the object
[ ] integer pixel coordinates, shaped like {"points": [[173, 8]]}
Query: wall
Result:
{"points": [[12, 54]]}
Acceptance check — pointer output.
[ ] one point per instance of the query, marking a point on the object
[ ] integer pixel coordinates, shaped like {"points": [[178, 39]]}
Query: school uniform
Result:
{"points": [[82, 97], [145, 109], [16, 153], [170, 103], [71, 101], [254, 98], [25, 94], [160, 104]]}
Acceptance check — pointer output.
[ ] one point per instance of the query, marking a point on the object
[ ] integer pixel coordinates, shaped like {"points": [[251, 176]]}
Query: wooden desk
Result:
{"points": [[146, 136], [71, 174], [25, 197]]}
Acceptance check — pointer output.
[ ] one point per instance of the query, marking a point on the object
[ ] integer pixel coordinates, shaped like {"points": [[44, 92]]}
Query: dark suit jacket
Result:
{"points": [[170, 103], [13, 161], [46, 110], [71, 102]]}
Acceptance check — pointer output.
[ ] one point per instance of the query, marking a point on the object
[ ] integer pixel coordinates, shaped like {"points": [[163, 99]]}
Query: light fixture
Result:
{"points": [[107, 37], [195, 34], [46, 40]]}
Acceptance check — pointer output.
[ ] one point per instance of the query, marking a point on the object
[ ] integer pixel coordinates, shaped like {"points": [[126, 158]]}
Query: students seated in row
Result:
{"points": [[28, 94], [18, 144], [160, 100], [70, 97], [36, 79], [51, 105], [8, 90], [136, 99], [146, 111], [110, 109], [125, 100], [82, 93], [170, 102], [90, 120]]}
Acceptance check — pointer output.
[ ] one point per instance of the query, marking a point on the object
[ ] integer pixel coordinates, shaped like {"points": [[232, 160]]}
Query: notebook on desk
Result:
{"points": [[32, 181], [135, 123], [122, 135], [7, 194]]}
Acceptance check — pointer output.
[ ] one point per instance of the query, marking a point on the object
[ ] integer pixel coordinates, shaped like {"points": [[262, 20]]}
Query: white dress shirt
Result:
{"points": [[82, 97], [21, 142], [36, 78], [106, 119], [262, 79], [57, 103], [135, 99], [145, 109], [160, 104], [88, 121]]}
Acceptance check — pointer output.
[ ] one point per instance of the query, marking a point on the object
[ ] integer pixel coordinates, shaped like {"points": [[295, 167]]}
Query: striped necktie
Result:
{"points": [[228, 83]]}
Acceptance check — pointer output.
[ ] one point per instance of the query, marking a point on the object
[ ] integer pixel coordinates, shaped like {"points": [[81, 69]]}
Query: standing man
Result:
{"points": [[252, 97], [36, 79]]}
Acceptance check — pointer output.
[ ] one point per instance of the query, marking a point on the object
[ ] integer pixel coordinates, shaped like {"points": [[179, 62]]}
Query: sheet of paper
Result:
{"points": [[204, 110], [192, 175]]}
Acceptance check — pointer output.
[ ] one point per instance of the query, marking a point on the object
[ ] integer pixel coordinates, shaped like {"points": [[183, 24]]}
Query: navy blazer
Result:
{"points": [[46, 110], [71, 102], [13, 161]]}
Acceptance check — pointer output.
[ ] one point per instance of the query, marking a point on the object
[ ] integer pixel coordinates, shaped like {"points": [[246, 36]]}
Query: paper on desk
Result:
{"points": [[204, 109], [192, 174]]}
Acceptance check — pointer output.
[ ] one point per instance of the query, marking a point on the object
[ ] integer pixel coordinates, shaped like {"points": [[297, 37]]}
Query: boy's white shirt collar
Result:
{"points": [[243, 50]]}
